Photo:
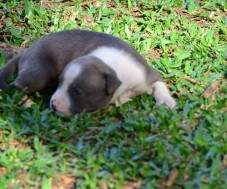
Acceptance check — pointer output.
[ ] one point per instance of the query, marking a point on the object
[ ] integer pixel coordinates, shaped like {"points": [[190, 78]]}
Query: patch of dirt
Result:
{"points": [[89, 20], [98, 4], [5, 34], [155, 53], [47, 3], [64, 181], [95, 3], [69, 14], [13, 144], [17, 144], [211, 90], [103, 185], [22, 179], [111, 3], [10, 50], [136, 12], [200, 21], [146, 35], [128, 185], [3, 171]]}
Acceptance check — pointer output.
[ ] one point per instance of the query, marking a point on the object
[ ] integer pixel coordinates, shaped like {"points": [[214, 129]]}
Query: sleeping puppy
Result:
{"points": [[92, 70]]}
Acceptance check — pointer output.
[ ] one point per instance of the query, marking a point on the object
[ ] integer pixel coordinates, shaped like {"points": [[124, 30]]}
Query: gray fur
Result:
{"points": [[40, 66]]}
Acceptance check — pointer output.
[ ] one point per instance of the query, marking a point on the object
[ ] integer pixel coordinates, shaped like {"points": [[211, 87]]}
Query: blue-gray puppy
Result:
{"points": [[91, 69]]}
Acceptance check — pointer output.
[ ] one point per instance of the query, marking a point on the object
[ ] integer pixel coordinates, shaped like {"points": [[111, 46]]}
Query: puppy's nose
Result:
{"points": [[52, 105]]}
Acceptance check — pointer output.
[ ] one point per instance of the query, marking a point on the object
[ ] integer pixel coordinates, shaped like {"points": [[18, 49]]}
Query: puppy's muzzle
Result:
{"points": [[52, 106], [59, 102]]}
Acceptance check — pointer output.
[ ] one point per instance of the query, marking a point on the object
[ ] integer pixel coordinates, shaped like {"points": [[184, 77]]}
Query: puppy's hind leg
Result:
{"points": [[161, 94], [9, 69]]}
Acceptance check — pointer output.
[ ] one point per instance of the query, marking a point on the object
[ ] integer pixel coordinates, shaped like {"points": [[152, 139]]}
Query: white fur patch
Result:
{"points": [[162, 95], [72, 70], [60, 98], [128, 70]]}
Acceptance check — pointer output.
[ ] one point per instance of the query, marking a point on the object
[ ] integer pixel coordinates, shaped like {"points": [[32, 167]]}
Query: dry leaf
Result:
{"points": [[26, 102]]}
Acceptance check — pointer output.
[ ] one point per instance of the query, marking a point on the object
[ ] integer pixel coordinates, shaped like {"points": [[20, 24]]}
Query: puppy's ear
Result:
{"points": [[112, 83]]}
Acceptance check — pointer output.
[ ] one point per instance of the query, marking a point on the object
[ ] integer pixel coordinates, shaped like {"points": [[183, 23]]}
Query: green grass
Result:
{"points": [[137, 142]]}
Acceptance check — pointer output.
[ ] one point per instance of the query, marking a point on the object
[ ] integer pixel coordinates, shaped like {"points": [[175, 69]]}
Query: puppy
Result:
{"points": [[92, 70]]}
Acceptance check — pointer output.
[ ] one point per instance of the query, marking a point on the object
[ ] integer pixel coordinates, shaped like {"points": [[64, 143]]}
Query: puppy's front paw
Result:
{"points": [[162, 95], [167, 100]]}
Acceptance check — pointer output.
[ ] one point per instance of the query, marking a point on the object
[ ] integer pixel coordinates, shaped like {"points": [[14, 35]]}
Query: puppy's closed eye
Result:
{"points": [[76, 91]]}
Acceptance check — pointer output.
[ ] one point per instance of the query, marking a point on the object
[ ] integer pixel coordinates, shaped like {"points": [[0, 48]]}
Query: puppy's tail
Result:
{"points": [[9, 69]]}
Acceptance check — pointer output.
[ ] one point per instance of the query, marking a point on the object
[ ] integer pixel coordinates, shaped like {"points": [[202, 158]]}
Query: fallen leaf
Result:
{"points": [[211, 90], [64, 181], [132, 185], [26, 102], [172, 178]]}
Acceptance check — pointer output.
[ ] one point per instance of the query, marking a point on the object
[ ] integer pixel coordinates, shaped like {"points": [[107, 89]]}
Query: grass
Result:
{"points": [[137, 145]]}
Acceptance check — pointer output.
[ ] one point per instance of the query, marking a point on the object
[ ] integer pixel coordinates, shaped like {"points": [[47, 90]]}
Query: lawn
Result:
{"points": [[137, 145]]}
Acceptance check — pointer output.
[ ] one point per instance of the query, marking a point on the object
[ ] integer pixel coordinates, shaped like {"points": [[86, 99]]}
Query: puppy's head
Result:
{"points": [[86, 85]]}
